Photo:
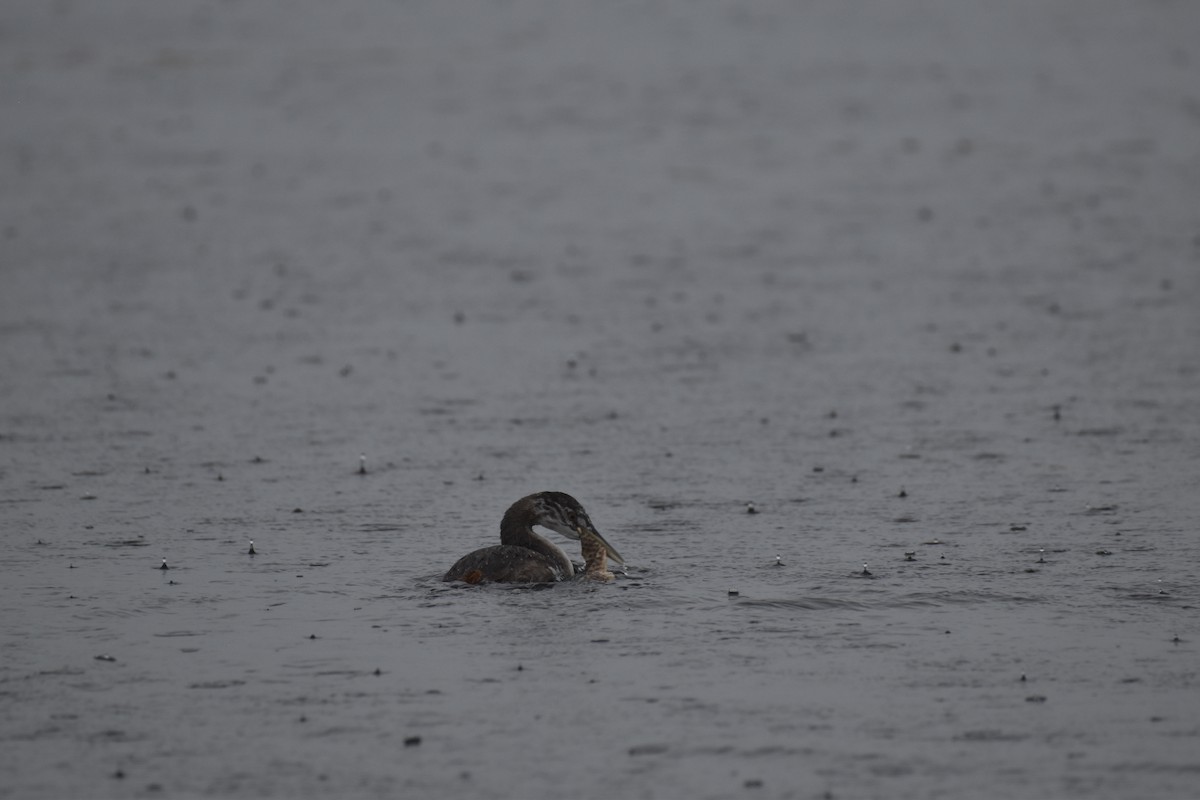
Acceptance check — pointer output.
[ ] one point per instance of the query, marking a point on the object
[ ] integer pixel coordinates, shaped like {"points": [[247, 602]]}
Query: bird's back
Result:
{"points": [[504, 563]]}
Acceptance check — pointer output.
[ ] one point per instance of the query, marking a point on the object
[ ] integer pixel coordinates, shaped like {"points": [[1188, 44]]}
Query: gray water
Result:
{"points": [[907, 277]]}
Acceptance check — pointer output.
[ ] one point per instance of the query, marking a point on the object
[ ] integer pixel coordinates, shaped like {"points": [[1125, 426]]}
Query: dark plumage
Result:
{"points": [[522, 555]]}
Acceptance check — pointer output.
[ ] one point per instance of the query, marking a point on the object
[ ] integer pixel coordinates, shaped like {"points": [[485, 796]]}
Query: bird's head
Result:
{"points": [[563, 514]]}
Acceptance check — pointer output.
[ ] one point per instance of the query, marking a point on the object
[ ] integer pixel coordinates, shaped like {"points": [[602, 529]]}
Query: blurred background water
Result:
{"points": [[909, 278]]}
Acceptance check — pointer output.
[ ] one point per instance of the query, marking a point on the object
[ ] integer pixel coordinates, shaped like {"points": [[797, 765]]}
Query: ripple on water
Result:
{"points": [[807, 604], [911, 600]]}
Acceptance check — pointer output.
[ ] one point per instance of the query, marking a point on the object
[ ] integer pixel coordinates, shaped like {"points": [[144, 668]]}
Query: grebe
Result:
{"points": [[525, 557]]}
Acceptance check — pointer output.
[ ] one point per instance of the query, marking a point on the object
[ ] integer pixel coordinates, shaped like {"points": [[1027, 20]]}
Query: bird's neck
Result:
{"points": [[517, 529]]}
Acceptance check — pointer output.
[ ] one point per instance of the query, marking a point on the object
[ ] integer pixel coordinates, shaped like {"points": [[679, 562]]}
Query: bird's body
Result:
{"points": [[525, 557], [506, 563]]}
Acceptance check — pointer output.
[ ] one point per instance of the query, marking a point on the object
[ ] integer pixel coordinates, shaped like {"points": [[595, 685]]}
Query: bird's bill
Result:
{"points": [[612, 551]]}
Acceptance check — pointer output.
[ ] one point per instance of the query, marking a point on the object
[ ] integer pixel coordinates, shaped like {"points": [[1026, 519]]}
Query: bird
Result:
{"points": [[525, 557]]}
